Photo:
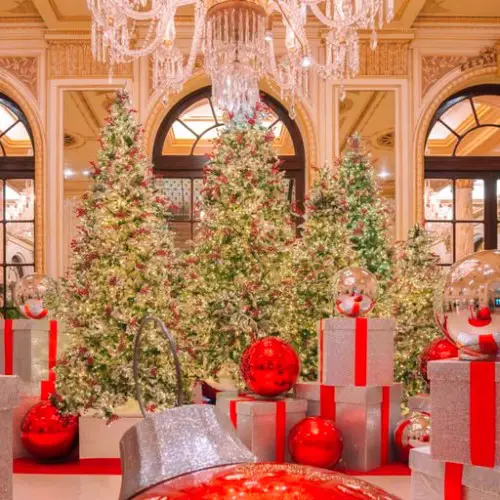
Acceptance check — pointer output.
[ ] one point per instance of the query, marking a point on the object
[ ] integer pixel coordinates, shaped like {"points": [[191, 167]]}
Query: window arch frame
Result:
{"points": [[454, 168], [191, 166], [15, 168]]}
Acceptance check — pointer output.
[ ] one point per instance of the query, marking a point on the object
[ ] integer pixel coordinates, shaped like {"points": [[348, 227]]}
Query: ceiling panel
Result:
{"points": [[461, 8], [17, 8]]}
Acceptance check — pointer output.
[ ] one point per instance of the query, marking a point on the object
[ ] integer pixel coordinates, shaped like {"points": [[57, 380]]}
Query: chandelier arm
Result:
{"points": [[131, 13], [302, 39]]}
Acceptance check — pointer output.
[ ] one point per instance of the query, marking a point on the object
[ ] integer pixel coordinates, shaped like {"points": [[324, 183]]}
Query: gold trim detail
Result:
{"points": [[488, 56], [25, 69], [68, 59], [435, 67]]}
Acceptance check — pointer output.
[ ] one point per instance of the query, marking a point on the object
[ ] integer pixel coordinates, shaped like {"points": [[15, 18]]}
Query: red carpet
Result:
{"points": [[111, 467], [104, 466]]}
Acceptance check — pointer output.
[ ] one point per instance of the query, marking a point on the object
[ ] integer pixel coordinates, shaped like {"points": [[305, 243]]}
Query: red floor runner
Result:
{"points": [[111, 467]]}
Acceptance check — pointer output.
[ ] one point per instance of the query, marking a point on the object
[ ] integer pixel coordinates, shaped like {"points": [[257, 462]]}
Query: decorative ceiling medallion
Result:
{"points": [[385, 140]]}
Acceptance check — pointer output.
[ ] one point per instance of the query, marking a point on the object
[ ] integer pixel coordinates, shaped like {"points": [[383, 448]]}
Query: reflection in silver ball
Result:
{"points": [[412, 432], [355, 292], [467, 305], [29, 294]]}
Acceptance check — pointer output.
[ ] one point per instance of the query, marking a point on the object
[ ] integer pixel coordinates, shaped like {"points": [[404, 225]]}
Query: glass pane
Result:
{"points": [[182, 232], [469, 238], [460, 117], [1, 251], [14, 274], [438, 199], [442, 235], [484, 141], [179, 140], [289, 189], [1, 199], [20, 244], [498, 236], [178, 191], [19, 199], [205, 144], [282, 143], [487, 108], [441, 141], [197, 187], [7, 118], [469, 204]]}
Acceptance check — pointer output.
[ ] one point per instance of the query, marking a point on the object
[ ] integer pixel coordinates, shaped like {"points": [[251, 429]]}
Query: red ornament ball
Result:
{"points": [[265, 481], [317, 442], [269, 367], [438, 349], [47, 434], [412, 432]]}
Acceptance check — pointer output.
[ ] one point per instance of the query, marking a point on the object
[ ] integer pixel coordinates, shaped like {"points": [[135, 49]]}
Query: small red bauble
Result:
{"points": [[269, 367], [438, 349], [48, 434], [317, 442]]}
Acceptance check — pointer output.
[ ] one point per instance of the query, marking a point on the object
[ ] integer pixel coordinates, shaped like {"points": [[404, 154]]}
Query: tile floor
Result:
{"points": [[54, 487]]}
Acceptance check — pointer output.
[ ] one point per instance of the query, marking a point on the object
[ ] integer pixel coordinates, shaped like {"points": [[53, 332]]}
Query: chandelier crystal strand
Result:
{"points": [[235, 37]]}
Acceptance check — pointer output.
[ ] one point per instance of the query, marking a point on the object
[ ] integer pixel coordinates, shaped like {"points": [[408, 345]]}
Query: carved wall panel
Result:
{"points": [[24, 68], [390, 58], [73, 58]]}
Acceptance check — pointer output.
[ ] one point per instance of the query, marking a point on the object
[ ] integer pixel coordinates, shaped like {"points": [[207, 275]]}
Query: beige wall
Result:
{"points": [[419, 65]]}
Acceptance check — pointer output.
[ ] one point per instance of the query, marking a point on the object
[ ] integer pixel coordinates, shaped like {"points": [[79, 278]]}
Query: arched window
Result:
{"points": [[462, 173], [17, 202], [185, 137]]}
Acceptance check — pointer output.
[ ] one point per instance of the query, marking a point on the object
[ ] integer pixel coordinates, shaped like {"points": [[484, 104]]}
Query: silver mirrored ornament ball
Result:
{"points": [[31, 295], [467, 305], [355, 292]]}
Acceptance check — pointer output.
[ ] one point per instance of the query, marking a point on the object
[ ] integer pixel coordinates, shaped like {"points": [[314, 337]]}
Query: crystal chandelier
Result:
{"points": [[236, 39]]}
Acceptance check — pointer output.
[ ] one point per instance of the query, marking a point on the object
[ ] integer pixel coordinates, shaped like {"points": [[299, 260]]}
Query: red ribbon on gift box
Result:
{"points": [[360, 351], [453, 481], [482, 411], [327, 410], [8, 348], [280, 442]]}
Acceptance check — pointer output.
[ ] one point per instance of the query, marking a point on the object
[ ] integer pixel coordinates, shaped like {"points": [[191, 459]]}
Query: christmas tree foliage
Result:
{"points": [[235, 280], [123, 268], [366, 213], [318, 256], [416, 274]]}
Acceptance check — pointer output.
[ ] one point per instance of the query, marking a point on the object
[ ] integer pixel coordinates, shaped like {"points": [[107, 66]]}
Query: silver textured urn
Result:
{"points": [[178, 441]]}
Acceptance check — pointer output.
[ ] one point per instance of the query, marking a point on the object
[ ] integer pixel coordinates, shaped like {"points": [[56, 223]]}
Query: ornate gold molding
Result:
{"points": [[390, 58], [73, 58], [24, 68], [435, 67], [489, 56]]}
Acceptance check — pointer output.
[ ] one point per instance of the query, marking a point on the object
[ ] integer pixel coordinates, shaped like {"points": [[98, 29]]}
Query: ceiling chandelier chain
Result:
{"points": [[235, 38]]}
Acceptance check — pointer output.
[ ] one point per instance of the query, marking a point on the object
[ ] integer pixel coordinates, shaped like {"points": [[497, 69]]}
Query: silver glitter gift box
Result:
{"points": [[463, 422], [339, 355], [31, 353], [9, 396], [258, 423], [18, 414], [428, 478], [362, 416], [420, 403]]}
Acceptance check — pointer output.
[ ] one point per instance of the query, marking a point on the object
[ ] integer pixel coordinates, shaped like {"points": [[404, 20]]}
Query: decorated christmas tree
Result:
{"points": [[319, 254], [123, 267], [416, 274], [235, 274], [365, 211]]}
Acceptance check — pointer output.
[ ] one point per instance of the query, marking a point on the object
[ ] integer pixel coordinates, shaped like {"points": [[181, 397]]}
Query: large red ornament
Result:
{"points": [[438, 349], [317, 442], [265, 481], [47, 434], [270, 367]]}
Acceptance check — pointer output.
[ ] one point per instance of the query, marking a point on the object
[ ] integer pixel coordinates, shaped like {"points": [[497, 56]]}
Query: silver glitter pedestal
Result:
{"points": [[428, 474], [178, 441], [9, 397], [338, 352], [420, 403]]}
